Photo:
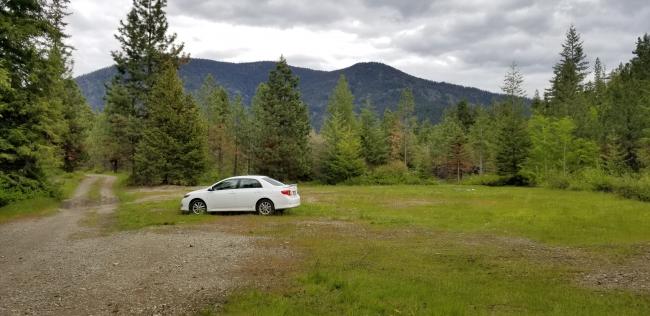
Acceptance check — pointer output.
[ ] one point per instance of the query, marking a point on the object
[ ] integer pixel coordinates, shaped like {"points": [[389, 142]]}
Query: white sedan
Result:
{"points": [[242, 194]]}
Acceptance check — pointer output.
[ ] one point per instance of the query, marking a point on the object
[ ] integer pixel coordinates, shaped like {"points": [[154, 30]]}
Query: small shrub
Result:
{"points": [[493, 180], [484, 179], [558, 182], [633, 188], [392, 173], [593, 180]]}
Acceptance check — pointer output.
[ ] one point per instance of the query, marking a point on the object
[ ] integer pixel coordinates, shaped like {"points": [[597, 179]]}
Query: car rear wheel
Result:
{"points": [[265, 207], [198, 207]]}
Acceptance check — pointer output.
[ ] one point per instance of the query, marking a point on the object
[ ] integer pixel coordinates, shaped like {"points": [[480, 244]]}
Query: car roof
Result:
{"points": [[248, 177]]}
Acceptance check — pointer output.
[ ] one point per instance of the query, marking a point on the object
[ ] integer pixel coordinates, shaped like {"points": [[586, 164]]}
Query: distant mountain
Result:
{"points": [[379, 82]]}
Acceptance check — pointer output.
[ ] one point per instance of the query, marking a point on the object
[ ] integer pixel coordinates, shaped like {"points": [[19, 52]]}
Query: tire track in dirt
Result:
{"points": [[48, 269]]}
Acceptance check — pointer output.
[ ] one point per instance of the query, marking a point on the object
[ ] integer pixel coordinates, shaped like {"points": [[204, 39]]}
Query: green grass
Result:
{"points": [[165, 211], [42, 205], [546, 215], [436, 250], [444, 250]]}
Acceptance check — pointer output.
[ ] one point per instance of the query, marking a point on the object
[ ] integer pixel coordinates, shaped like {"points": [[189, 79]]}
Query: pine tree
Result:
{"points": [[407, 120], [624, 116], [538, 105], [77, 114], [455, 146], [568, 76], [342, 159], [341, 101], [482, 139], [464, 113], [374, 147], [172, 148], [256, 127], [283, 145], [144, 45], [393, 130], [31, 124], [78, 118], [640, 63], [512, 137], [241, 126], [218, 112]]}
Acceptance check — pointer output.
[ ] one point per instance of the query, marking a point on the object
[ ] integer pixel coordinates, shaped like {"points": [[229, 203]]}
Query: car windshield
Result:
{"points": [[273, 181], [226, 185]]}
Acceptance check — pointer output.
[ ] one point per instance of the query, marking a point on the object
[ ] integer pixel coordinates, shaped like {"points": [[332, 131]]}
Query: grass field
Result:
{"points": [[42, 205], [441, 250]]}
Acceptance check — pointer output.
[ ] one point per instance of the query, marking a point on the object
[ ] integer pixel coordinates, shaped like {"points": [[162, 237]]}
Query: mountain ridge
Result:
{"points": [[379, 82]]}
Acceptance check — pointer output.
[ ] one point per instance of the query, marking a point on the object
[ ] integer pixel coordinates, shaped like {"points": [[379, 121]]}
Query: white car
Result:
{"points": [[242, 194]]}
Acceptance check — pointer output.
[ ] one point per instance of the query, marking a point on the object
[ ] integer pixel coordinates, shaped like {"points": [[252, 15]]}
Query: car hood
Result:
{"points": [[197, 191]]}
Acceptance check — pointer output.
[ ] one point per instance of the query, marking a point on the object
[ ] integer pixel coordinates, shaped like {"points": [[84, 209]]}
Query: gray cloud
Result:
{"points": [[465, 42]]}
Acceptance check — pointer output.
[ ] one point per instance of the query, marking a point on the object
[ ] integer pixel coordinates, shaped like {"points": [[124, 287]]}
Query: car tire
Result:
{"points": [[198, 207], [265, 207]]}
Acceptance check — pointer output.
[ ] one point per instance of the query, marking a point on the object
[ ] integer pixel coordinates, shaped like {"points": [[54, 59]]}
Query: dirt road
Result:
{"points": [[58, 266]]}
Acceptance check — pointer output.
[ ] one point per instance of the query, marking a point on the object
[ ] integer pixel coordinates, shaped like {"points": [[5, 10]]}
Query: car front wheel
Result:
{"points": [[198, 207], [265, 207]]}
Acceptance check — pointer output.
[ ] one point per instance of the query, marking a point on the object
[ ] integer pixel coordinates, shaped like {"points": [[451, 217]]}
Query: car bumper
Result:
{"points": [[289, 202], [185, 205]]}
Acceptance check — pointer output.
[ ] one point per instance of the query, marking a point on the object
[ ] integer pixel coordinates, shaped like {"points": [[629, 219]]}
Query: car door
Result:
{"points": [[248, 193], [221, 196]]}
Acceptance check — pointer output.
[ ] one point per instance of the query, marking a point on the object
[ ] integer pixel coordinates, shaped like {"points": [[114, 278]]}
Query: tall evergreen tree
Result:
{"points": [[482, 140], [78, 118], [457, 158], [393, 130], [256, 127], [464, 113], [282, 146], [374, 147], [144, 45], [31, 124], [241, 127], [568, 77], [77, 114], [407, 120], [172, 148], [538, 105], [512, 137], [342, 157], [215, 103], [341, 101]]}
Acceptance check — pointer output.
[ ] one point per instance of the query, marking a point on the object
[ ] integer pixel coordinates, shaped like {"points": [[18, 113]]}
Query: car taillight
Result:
{"points": [[286, 192]]}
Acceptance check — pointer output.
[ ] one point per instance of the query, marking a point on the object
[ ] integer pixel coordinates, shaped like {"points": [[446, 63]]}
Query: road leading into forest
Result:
{"points": [[57, 265]]}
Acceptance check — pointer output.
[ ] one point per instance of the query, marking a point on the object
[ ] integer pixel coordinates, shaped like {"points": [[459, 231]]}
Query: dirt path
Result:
{"points": [[56, 266]]}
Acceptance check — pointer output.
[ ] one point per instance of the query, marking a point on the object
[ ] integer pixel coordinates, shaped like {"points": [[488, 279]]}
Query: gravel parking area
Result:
{"points": [[57, 266]]}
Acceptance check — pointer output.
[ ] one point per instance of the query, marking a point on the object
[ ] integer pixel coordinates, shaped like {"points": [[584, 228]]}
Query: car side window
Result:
{"points": [[249, 184], [226, 185]]}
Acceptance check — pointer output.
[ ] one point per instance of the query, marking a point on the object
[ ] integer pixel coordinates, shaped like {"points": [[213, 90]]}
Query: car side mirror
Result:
{"points": [[210, 189]]}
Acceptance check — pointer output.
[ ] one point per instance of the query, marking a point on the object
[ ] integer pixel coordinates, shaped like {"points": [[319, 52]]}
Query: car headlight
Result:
{"points": [[186, 195]]}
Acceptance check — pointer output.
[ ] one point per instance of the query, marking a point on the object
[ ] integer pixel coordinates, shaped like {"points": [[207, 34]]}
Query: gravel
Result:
{"points": [[53, 266]]}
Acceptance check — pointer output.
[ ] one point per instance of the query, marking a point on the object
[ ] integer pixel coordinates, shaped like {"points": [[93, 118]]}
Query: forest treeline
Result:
{"points": [[588, 130]]}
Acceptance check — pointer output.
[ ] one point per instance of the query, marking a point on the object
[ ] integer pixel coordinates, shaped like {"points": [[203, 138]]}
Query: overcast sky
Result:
{"points": [[464, 42]]}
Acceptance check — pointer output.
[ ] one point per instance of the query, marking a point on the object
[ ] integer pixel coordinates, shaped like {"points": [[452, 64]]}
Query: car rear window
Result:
{"points": [[273, 181], [249, 184]]}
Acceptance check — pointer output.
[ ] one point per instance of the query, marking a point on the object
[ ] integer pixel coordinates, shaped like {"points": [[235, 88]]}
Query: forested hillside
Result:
{"points": [[380, 83]]}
